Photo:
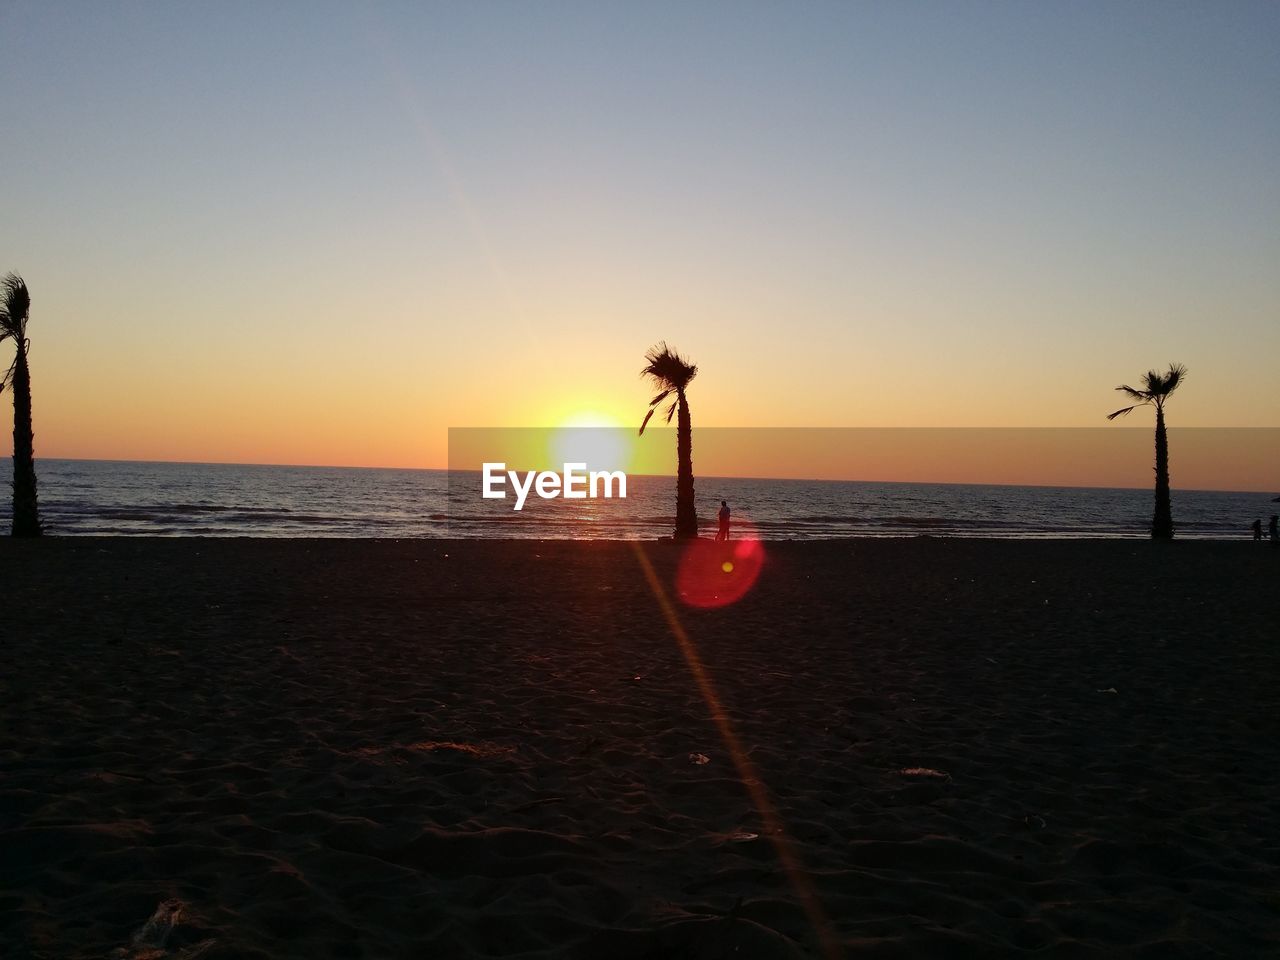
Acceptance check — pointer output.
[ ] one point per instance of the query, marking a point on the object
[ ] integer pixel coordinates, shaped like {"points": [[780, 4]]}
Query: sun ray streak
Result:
{"points": [[795, 872], [434, 147]]}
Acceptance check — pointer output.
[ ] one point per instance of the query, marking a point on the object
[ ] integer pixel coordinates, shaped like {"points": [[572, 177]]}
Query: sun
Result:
{"points": [[593, 438], [589, 418]]}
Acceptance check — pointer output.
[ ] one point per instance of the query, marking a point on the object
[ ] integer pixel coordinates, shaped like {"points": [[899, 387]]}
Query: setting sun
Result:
{"points": [[594, 439]]}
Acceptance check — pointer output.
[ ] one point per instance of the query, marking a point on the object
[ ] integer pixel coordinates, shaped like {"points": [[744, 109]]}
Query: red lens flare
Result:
{"points": [[716, 573]]}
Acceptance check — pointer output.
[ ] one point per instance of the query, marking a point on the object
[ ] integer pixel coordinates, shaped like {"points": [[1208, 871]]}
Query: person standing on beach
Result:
{"points": [[1272, 532], [723, 532], [1257, 529]]}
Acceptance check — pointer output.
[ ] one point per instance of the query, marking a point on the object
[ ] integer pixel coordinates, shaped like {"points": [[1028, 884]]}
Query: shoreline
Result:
{"points": [[1143, 537]]}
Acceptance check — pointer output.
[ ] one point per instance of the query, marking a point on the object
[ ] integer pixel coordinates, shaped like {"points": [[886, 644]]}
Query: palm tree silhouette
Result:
{"points": [[671, 373], [1156, 390], [15, 306]]}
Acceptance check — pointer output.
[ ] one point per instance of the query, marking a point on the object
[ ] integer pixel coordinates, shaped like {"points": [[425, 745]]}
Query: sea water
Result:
{"points": [[99, 497]]}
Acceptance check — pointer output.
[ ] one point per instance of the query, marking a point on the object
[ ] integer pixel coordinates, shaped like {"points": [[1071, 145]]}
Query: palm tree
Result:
{"points": [[671, 373], [15, 306], [1156, 390]]}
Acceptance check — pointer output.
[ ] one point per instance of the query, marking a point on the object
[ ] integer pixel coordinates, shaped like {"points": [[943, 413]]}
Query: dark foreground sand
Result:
{"points": [[431, 749]]}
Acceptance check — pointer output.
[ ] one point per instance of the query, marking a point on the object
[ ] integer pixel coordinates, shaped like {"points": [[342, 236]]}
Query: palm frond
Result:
{"points": [[1121, 413], [1156, 388], [15, 305], [667, 368], [659, 398], [1142, 396], [645, 422], [1177, 373], [671, 410]]}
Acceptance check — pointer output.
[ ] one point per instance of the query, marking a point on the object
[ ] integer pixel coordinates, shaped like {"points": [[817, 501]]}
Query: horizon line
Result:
{"points": [[937, 483]]}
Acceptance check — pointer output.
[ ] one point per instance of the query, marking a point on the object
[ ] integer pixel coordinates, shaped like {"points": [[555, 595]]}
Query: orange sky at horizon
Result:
{"points": [[1099, 457], [269, 399], [377, 425]]}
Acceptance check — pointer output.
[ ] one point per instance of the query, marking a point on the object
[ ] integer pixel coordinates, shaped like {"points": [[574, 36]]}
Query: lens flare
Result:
{"points": [[800, 880], [716, 573]]}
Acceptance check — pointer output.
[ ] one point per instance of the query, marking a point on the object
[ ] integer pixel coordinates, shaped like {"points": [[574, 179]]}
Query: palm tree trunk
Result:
{"points": [[686, 516], [26, 515], [1162, 522]]}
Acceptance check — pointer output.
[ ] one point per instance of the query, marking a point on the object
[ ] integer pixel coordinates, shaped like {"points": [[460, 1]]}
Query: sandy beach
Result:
{"points": [[484, 749]]}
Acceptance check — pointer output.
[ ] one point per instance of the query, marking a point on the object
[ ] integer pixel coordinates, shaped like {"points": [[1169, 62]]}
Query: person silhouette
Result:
{"points": [[1257, 529], [723, 532], [1272, 532]]}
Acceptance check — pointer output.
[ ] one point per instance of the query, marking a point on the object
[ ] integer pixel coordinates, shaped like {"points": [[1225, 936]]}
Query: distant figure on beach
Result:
{"points": [[1272, 532], [723, 532], [1257, 529]]}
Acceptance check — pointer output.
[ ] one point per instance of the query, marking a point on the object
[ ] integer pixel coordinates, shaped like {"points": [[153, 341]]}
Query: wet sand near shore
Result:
{"points": [[499, 749]]}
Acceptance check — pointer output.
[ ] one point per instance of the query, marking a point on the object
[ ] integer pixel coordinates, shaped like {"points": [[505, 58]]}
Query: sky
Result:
{"points": [[326, 233]]}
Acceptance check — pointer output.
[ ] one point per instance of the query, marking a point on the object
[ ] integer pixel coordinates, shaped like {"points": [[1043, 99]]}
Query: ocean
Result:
{"points": [[117, 498]]}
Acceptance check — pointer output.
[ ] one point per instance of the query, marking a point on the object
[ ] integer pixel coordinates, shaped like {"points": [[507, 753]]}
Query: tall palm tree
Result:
{"points": [[15, 306], [671, 373], [1156, 390]]}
